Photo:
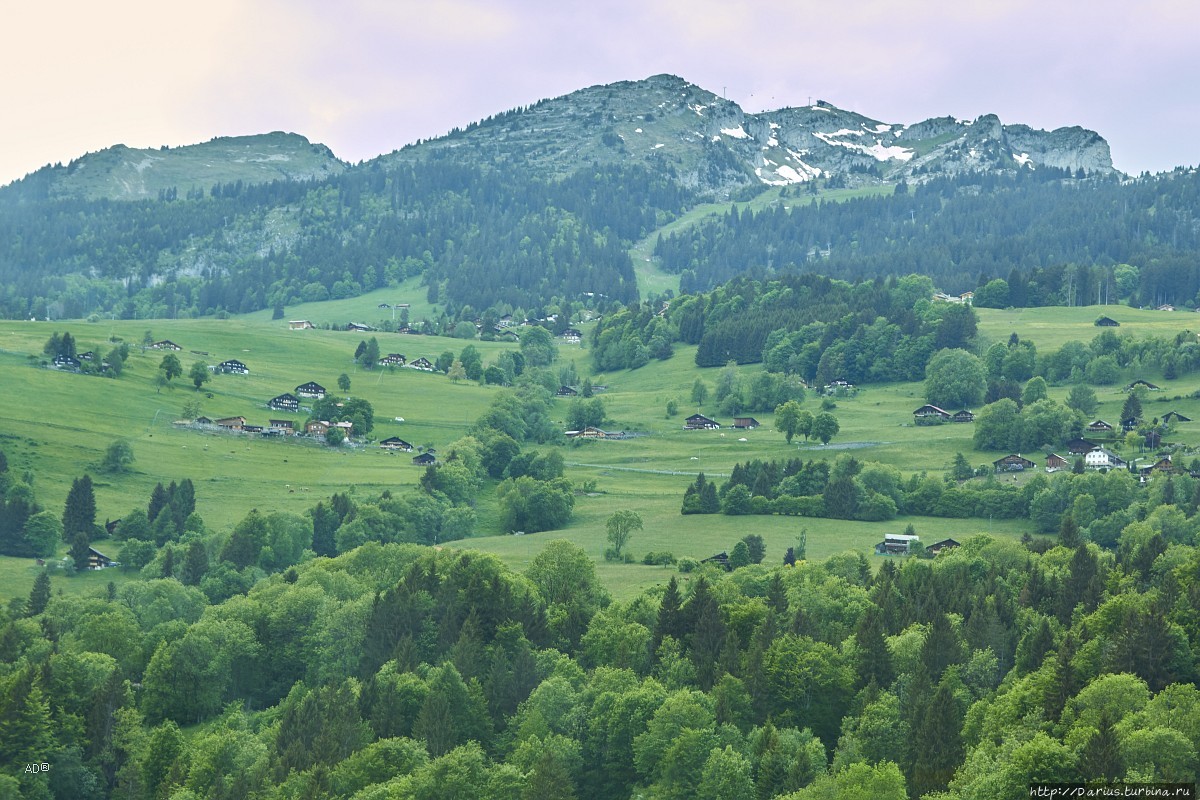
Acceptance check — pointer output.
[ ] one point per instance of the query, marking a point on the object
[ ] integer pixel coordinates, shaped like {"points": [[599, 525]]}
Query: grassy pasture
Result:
{"points": [[57, 426], [1050, 328]]}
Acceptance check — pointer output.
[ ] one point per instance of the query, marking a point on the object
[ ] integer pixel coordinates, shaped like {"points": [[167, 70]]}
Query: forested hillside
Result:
{"points": [[479, 237], [396, 671], [1055, 237]]}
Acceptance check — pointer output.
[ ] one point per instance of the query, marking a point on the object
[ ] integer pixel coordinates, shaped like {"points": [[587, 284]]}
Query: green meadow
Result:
{"points": [[55, 426]]}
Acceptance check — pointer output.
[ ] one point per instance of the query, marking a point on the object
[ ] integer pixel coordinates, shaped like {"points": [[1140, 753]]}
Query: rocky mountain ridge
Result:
{"points": [[711, 144], [128, 173], [704, 142]]}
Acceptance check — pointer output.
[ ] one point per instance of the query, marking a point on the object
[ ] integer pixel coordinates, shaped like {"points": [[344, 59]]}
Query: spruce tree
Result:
{"points": [[874, 660], [325, 524], [79, 513], [39, 596], [670, 616], [1068, 532], [1100, 757], [80, 547], [195, 564], [938, 743], [1132, 408], [158, 501]]}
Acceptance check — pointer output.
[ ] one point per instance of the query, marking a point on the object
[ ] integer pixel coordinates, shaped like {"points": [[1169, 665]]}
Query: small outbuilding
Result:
{"points": [[1055, 462]]}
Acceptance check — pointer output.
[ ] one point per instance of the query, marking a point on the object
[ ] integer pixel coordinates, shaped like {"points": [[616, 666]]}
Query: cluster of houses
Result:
{"points": [[503, 326], [699, 422], [902, 544], [1094, 457], [68, 363], [930, 413], [592, 432], [571, 391]]}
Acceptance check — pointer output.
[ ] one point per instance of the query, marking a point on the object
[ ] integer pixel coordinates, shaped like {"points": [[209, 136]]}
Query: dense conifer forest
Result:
{"points": [[1054, 236], [479, 236]]}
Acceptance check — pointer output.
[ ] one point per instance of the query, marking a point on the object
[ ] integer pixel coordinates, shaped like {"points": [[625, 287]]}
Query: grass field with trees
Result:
{"points": [[58, 425]]}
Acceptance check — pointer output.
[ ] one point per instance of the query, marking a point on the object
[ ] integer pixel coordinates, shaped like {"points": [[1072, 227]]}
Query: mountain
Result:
{"points": [[540, 207], [710, 144], [128, 173], [703, 142]]}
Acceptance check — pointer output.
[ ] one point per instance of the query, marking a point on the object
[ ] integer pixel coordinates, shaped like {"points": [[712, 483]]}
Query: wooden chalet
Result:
{"points": [[317, 427], [1099, 426], [963, 416], [1013, 463], [393, 360], [721, 559], [699, 422], [1175, 416], [358, 326], [425, 460], [165, 344], [745, 423], [573, 335], [252, 428], [300, 325], [283, 426], [1140, 382], [931, 412], [202, 421], [1079, 447], [66, 362], [1165, 307], [409, 330], [1055, 462], [88, 356], [1162, 465], [944, 544], [396, 443], [1129, 423], [566, 391], [233, 367], [312, 390], [423, 364], [1107, 322], [231, 423], [896, 544], [505, 321], [97, 560], [284, 402], [1153, 439]]}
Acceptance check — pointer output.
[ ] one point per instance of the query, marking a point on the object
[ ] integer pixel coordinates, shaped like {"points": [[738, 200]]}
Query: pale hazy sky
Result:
{"points": [[368, 76]]}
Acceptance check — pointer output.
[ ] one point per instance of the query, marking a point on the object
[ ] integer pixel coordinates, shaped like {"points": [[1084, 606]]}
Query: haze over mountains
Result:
{"points": [[704, 142]]}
